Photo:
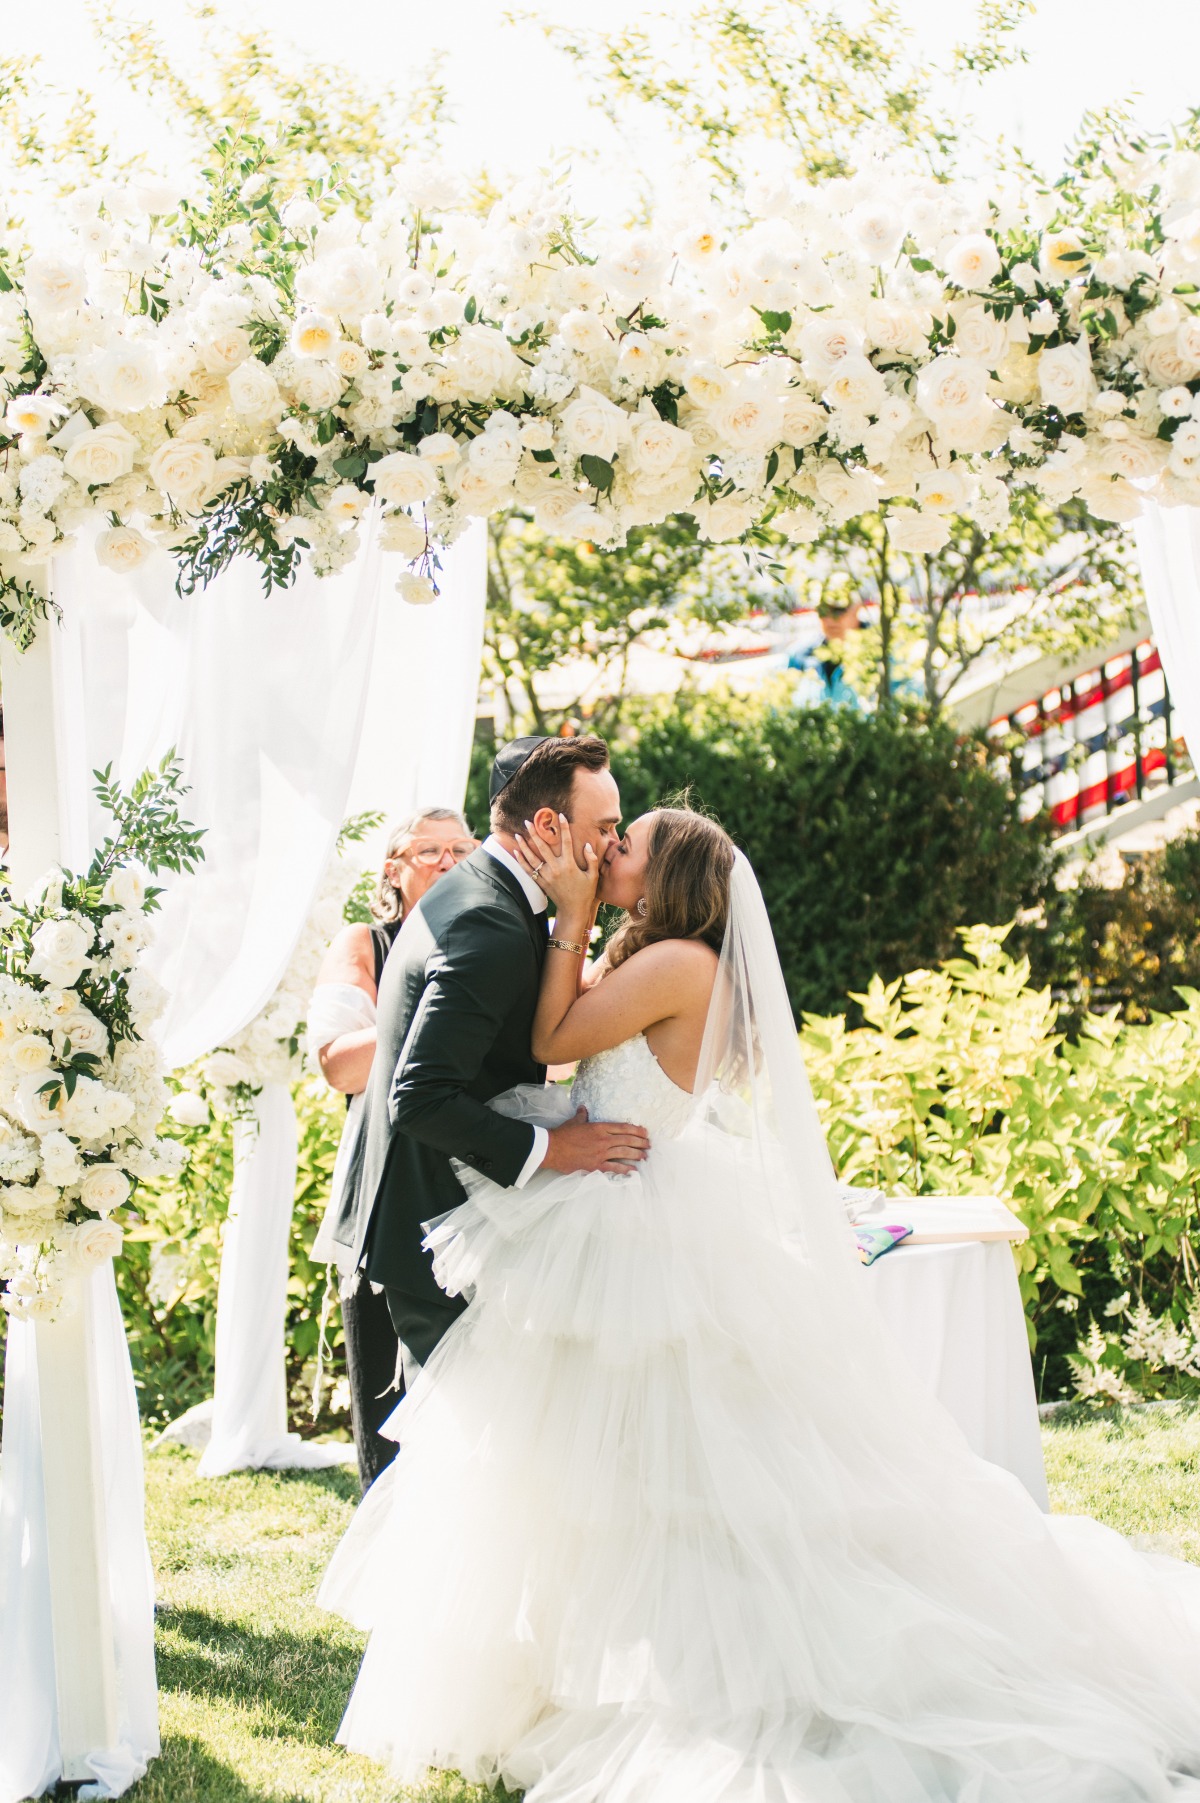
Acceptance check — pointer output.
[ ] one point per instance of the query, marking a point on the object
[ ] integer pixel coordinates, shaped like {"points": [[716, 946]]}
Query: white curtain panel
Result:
{"points": [[249, 1415], [1168, 542], [262, 697], [420, 715], [29, 1748]]}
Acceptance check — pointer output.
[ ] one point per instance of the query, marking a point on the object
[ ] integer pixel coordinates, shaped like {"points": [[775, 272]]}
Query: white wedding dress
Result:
{"points": [[671, 1524]]}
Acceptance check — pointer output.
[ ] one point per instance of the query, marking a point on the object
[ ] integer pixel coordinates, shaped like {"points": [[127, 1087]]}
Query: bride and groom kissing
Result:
{"points": [[669, 1522]]}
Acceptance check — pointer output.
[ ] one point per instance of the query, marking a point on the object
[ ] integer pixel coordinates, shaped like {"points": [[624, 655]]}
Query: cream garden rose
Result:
{"points": [[402, 479], [123, 549], [184, 470], [100, 455]]}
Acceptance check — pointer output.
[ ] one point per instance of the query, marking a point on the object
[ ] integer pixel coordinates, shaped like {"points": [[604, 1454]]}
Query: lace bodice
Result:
{"points": [[627, 1083]]}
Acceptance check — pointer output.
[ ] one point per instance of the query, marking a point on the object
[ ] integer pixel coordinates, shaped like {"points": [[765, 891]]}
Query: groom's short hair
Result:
{"points": [[545, 780]]}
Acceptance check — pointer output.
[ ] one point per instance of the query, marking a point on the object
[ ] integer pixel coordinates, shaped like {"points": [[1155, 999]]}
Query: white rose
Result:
{"points": [[345, 502], [184, 470], [847, 493], [101, 455], [803, 420], [1111, 498], [1187, 339], [84, 1031], [126, 935], [60, 949], [122, 548], [892, 327], [225, 1069], [1065, 377], [593, 426], [60, 1160], [416, 589], [582, 331], [253, 390], [1166, 365], [126, 887], [32, 415], [802, 525], [877, 229], [37, 1110], [225, 351], [726, 519], [979, 335], [483, 363], [52, 285], [972, 261], [655, 446], [941, 491], [300, 215], [639, 360], [855, 385], [748, 421], [351, 360], [537, 433], [348, 283], [440, 449], [401, 533], [1062, 256], [920, 534], [188, 1109], [1176, 403], [402, 479], [824, 342], [707, 384], [128, 379], [496, 452], [94, 1242], [318, 386], [952, 389], [314, 335], [478, 490], [29, 1052]]}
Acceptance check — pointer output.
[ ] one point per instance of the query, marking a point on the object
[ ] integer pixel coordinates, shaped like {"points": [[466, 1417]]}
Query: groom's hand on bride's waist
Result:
{"points": [[583, 1145]]}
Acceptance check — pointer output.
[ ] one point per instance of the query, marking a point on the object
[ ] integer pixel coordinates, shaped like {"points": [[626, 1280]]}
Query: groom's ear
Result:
{"points": [[545, 825]]}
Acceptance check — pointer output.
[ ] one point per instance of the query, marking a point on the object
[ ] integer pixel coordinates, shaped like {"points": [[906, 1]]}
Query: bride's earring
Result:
{"points": [[641, 906]]}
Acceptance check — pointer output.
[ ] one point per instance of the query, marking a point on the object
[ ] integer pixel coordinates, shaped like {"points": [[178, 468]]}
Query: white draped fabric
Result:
{"points": [[30, 1759], [249, 1415], [1168, 542], [420, 715]]}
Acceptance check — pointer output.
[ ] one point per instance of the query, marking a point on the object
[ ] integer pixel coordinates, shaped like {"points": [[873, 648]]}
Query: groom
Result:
{"points": [[455, 1022]]}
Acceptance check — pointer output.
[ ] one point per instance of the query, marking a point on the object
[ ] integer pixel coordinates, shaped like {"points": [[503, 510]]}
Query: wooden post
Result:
{"points": [[76, 1532]]}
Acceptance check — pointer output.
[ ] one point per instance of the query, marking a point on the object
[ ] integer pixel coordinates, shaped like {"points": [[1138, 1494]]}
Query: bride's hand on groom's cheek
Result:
{"points": [[555, 868]]}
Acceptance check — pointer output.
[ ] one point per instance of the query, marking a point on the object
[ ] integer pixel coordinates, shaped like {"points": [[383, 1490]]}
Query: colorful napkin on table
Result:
{"points": [[873, 1242]]}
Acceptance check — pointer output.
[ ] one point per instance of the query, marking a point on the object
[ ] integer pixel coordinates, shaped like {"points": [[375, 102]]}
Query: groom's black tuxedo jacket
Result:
{"points": [[454, 1027]]}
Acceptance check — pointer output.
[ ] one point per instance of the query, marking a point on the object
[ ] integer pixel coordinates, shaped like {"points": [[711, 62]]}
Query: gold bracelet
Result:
{"points": [[566, 945]]}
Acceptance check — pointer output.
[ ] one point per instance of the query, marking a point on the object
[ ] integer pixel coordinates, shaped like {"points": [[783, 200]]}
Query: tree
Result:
{"points": [[729, 80], [1072, 582], [556, 603]]}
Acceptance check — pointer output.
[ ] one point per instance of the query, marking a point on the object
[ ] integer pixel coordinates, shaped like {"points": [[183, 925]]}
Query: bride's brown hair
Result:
{"points": [[688, 865]]}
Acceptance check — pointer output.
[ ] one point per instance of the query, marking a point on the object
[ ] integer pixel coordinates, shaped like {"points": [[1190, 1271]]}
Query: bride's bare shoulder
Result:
{"points": [[688, 959]]}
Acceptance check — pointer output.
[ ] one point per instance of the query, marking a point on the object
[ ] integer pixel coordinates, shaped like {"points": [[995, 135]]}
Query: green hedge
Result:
{"points": [[874, 837]]}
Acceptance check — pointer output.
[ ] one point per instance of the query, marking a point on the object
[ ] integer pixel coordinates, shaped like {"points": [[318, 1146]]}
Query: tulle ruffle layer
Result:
{"points": [[650, 1537]]}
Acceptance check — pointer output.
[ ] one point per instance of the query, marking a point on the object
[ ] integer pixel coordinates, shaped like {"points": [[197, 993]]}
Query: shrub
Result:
{"points": [[958, 1082], [168, 1274]]}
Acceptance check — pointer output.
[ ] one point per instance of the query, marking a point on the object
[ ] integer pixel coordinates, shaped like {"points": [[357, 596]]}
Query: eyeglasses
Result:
{"points": [[433, 854]]}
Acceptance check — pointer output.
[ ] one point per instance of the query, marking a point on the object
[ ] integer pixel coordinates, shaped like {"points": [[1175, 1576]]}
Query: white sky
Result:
{"points": [[518, 105]]}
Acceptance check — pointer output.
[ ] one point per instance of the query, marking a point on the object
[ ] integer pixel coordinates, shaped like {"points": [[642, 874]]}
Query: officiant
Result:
{"points": [[341, 1037]]}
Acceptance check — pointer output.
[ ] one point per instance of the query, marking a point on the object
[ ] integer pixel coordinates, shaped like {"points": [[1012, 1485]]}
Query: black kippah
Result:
{"points": [[509, 759]]}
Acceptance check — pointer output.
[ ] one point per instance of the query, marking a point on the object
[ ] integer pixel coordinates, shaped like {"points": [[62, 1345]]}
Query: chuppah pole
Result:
{"points": [[75, 1526]]}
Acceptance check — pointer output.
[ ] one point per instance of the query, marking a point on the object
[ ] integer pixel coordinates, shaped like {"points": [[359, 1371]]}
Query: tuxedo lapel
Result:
{"points": [[493, 872]]}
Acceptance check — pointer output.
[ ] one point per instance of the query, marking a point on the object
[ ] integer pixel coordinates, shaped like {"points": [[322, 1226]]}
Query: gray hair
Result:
{"points": [[386, 903]]}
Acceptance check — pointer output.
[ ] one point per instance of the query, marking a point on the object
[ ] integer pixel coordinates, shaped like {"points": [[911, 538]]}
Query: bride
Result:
{"points": [[670, 1522]]}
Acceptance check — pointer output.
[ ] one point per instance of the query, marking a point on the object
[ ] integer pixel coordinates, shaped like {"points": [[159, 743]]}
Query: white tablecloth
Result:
{"points": [[956, 1312]]}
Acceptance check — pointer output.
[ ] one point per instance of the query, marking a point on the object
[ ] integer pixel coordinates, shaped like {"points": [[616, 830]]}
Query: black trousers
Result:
{"points": [[420, 1323], [372, 1368]]}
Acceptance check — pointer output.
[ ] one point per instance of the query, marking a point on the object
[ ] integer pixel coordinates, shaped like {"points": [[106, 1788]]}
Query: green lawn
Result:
{"points": [[254, 1678]]}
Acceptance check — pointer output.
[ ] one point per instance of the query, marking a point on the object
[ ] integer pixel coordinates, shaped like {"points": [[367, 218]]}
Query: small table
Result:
{"points": [[954, 1307]]}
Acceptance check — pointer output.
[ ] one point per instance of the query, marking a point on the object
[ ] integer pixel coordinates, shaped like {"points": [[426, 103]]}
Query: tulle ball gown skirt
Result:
{"points": [[654, 1536]]}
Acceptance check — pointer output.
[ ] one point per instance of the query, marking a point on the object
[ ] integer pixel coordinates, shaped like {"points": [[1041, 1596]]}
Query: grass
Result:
{"points": [[254, 1678]]}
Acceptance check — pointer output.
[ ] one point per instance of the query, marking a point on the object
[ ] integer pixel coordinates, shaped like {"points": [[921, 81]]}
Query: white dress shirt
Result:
{"points": [[539, 903]]}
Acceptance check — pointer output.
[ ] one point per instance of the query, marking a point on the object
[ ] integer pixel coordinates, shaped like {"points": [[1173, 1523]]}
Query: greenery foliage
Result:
{"points": [[168, 1274], [1129, 945], [958, 1082]]}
